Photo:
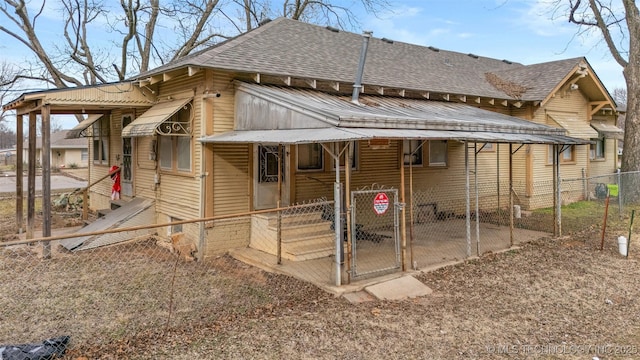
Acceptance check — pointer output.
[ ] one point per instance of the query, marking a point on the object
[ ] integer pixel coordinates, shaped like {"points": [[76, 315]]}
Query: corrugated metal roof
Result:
{"points": [[335, 134], [375, 117], [385, 112], [147, 123]]}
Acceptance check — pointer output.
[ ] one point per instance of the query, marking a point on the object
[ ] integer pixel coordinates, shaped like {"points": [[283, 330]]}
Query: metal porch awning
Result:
{"points": [[334, 134], [609, 131], [147, 123], [79, 130]]}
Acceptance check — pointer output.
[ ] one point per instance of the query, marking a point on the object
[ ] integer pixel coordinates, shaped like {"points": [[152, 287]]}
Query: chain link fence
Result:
{"points": [[103, 295]]}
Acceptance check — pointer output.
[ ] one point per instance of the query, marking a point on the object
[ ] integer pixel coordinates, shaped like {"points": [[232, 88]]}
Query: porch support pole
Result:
{"points": [[19, 173], [511, 221], [279, 203], [46, 180], [475, 179], [31, 176], [336, 220], [411, 218], [558, 195], [347, 202], [467, 192], [498, 181], [403, 221]]}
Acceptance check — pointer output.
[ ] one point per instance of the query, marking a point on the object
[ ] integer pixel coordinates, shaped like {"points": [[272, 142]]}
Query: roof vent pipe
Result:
{"points": [[363, 56]]}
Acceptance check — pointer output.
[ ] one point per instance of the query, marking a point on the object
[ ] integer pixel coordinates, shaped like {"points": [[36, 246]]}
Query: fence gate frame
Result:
{"points": [[392, 195]]}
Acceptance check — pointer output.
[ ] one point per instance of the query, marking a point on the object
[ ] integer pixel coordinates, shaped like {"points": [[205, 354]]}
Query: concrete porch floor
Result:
{"points": [[434, 245]]}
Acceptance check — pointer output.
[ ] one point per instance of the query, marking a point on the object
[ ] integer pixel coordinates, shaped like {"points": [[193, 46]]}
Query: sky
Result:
{"points": [[521, 31]]}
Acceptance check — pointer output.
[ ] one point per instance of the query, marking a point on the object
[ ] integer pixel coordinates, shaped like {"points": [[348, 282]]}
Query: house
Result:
{"points": [[291, 114], [64, 152]]}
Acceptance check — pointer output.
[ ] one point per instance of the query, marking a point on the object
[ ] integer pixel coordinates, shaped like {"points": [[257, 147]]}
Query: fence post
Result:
{"points": [[619, 182], [585, 191]]}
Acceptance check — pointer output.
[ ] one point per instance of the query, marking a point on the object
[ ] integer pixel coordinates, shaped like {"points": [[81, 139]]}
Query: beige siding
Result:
{"points": [[610, 162], [231, 179]]}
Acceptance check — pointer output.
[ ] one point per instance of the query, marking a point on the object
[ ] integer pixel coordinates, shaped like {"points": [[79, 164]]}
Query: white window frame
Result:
{"points": [[173, 153]]}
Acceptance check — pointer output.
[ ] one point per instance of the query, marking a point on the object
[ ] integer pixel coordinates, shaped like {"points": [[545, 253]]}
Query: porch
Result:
{"points": [[435, 244]]}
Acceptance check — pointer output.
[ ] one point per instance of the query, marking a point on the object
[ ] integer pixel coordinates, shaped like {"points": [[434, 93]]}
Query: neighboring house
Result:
{"points": [[64, 152], [8, 156], [200, 135]]}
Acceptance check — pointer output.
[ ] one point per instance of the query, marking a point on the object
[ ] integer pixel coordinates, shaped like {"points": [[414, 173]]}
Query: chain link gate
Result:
{"points": [[375, 244]]}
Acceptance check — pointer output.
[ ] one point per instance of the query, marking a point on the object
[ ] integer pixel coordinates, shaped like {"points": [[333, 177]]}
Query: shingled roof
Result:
{"points": [[287, 47]]}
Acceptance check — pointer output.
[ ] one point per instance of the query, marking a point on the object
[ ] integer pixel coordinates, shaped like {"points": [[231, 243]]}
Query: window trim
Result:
{"points": [[355, 147], [419, 151], [561, 158], [174, 155], [321, 160], [446, 155], [593, 156], [100, 135]]}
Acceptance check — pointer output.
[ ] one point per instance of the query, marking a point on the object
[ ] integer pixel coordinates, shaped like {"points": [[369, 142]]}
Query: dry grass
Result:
{"points": [[137, 301]]}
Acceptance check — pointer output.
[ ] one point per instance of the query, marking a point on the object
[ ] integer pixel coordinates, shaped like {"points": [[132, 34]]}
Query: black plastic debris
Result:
{"points": [[46, 350]]}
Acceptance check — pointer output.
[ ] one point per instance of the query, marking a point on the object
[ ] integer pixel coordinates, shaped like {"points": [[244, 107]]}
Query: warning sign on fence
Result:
{"points": [[381, 203]]}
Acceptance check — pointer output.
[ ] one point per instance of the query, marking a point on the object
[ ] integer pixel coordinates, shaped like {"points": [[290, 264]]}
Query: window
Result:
{"points": [[268, 164], [438, 153], [84, 155], [100, 139], [596, 150], [567, 155], [412, 152], [310, 157], [353, 154], [175, 153]]}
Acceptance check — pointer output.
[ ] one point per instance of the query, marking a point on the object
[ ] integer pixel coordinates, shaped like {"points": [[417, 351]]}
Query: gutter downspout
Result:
{"points": [[357, 85]]}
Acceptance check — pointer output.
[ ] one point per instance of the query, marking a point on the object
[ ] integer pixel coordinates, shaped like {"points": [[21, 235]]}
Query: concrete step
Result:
{"points": [[293, 219], [291, 231], [115, 204]]}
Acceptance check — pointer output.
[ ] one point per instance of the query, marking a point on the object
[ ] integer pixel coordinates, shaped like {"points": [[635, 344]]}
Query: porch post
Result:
{"points": [[336, 221], [475, 179], [347, 204], [511, 221], [558, 196], [554, 162], [467, 197], [19, 173], [403, 221], [31, 176], [278, 204], [46, 180]]}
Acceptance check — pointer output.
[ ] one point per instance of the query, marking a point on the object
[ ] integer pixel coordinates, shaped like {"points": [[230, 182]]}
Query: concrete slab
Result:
{"points": [[398, 289], [358, 297]]}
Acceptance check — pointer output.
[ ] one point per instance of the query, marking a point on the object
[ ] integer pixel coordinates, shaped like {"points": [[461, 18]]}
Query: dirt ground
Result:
{"points": [[561, 298]]}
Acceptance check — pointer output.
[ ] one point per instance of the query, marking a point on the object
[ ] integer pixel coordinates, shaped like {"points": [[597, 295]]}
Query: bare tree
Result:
{"points": [[146, 33], [9, 79], [619, 24]]}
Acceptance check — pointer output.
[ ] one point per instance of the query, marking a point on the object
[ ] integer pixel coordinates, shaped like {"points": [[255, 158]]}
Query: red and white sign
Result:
{"points": [[381, 203]]}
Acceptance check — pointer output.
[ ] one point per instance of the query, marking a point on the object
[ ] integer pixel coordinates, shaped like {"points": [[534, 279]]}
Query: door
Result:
{"points": [[265, 179], [126, 171]]}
